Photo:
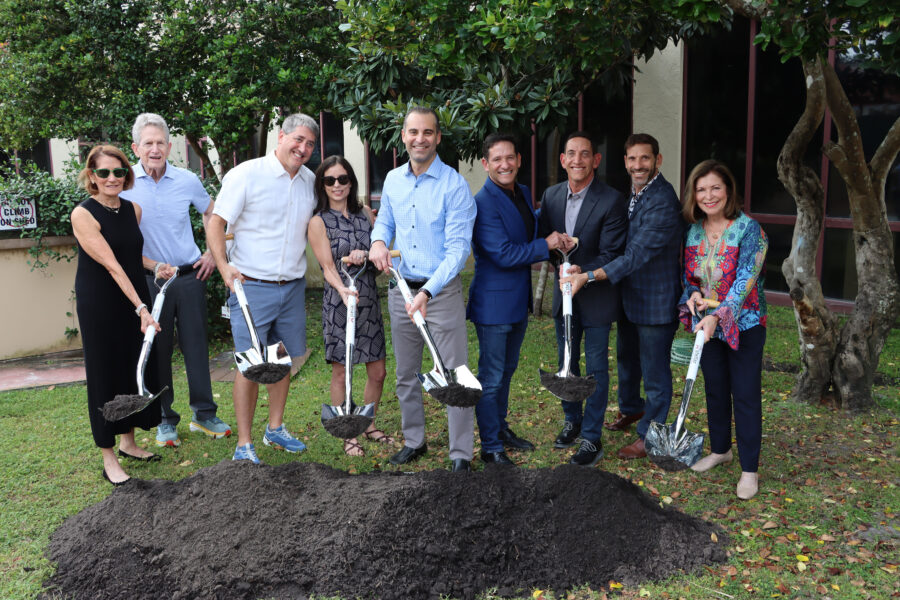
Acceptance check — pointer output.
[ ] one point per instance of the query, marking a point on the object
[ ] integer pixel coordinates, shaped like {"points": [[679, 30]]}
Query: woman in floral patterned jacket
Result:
{"points": [[724, 260]]}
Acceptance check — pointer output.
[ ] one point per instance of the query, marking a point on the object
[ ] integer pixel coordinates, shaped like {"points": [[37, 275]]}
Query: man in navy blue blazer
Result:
{"points": [[649, 276], [505, 244], [586, 208]]}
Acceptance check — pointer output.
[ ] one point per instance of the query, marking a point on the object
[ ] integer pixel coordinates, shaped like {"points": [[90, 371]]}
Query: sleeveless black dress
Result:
{"points": [[110, 331], [346, 234]]}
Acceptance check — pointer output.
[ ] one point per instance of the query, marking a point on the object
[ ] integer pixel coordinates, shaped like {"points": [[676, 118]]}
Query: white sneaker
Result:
{"points": [[711, 460], [748, 485]]}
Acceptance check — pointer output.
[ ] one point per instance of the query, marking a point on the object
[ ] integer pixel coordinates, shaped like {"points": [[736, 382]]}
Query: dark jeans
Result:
{"points": [[596, 350], [498, 357], [184, 309], [735, 376], [643, 352]]}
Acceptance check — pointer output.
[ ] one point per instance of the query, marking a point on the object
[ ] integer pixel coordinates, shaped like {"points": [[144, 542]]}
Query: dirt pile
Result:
{"points": [[237, 530]]}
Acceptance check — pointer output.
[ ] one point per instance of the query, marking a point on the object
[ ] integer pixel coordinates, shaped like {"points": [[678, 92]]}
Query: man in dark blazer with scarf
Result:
{"points": [[649, 275], [586, 208], [505, 245]]}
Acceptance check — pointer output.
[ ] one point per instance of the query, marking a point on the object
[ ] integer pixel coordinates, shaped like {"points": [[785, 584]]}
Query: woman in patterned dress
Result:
{"points": [[724, 258], [341, 227]]}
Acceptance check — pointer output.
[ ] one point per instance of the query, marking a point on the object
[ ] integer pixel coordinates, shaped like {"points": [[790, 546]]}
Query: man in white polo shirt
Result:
{"points": [[267, 203], [166, 194]]}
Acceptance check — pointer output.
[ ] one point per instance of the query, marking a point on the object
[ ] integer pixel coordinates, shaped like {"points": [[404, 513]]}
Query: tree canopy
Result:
{"points": [[215, 68], [498, 64]]}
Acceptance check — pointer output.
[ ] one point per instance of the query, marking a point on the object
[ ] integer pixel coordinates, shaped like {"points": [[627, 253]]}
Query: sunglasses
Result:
{"points": [[329, 181], [104, 173]]}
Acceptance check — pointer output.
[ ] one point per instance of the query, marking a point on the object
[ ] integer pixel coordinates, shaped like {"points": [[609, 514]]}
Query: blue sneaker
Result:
{"points": [[246, 452], [280, 438], [167, 436], [214, 427]]}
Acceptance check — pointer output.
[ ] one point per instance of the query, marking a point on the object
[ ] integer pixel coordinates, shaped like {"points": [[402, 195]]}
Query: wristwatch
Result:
{"points": [[590, 278]]}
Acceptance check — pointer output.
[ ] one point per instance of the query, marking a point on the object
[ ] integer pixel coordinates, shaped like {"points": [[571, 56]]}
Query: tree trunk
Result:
{"points": [[552, 177], [262, 135], [201, 152], [878, 297], [815, 322], [538, 307]]}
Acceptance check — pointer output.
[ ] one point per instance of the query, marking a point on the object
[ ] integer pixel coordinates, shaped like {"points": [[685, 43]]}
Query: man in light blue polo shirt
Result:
{"points": [[166, 194], [428, 210]]}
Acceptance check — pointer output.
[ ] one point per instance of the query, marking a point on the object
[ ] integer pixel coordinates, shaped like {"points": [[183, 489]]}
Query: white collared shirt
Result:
{"points": [[267, 211]]}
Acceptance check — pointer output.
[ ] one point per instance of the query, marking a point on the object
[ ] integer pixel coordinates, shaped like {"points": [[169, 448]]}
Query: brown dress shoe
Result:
{"points": [[635, 450], [622, 422]]}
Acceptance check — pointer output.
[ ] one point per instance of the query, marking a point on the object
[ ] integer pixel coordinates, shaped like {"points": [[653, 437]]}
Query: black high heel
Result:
{"points": [[115, 484]]}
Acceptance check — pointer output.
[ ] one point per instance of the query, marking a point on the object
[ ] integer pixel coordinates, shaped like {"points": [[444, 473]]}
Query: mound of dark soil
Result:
{"points": [[237, 530]]}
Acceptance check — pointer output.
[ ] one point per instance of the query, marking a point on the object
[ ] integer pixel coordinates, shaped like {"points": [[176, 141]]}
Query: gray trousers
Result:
{"points": [[184, 308], [446, 318]]}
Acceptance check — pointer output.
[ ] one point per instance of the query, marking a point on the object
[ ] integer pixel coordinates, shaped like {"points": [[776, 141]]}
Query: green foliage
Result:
{"points": [[54, 199], [222, 69], [498, 64]]}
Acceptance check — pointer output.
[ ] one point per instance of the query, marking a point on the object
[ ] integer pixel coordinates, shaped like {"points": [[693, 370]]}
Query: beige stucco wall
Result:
{"points": [[34, 304], [658, 105]]}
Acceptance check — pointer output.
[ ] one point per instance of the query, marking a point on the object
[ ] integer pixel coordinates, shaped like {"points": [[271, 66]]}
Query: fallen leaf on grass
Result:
{"points": [[186, 463], [890, 568], [769, 525]]}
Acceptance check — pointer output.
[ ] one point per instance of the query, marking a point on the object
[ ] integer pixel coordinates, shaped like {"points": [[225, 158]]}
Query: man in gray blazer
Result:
{"points": [[586, 208]]}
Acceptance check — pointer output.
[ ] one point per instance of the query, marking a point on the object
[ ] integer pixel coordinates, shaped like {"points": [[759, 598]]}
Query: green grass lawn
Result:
{"points": [[824, 525]]}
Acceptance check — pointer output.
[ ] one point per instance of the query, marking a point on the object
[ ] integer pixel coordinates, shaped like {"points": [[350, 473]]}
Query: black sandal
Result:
{"points": [[151, 458], [382, 439], [114, 483]]}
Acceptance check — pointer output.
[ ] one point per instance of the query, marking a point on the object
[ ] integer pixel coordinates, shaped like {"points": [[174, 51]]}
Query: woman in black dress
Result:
{"points": [[111, 299], [340, 227]]}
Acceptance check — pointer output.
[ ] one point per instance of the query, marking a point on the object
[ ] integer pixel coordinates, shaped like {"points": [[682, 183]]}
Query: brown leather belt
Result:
{"points": [[285, 282]]}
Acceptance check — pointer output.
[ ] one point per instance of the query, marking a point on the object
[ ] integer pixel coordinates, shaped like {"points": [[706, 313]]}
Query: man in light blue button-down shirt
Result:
{"points": [[428, 210]]}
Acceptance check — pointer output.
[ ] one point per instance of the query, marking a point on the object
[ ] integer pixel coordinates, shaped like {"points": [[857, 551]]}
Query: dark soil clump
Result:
{"points": [[347, 426], [456, 394], [237, 530], [123, 405], [568, 389], [267, 373]]}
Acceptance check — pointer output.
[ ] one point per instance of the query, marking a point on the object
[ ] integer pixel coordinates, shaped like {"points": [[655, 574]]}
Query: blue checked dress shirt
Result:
{"points": [[430, 219]]}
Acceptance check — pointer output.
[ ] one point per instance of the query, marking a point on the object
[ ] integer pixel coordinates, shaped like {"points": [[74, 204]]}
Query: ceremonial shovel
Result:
{"points": [[349, 420], [453, 387], [259, 364], [671, 447], [124, 405], [564, 385]]}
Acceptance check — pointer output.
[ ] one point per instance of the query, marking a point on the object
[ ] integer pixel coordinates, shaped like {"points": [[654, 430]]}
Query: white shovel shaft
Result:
{"points": [[566, 292]]}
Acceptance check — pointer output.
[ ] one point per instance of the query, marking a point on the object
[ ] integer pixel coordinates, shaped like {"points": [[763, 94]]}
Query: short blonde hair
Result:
{"points": [[84, 177]]}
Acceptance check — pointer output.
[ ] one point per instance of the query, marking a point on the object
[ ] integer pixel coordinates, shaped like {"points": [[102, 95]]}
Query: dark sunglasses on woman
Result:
{"points": [[329, 181], [104, 173]]}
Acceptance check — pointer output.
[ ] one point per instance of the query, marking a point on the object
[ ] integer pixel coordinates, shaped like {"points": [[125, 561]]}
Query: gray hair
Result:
{"points": [[300, 120], [147, 120]]}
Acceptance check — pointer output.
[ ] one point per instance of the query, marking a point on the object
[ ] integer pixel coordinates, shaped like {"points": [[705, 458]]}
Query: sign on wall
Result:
{"points": [[17, 214]]}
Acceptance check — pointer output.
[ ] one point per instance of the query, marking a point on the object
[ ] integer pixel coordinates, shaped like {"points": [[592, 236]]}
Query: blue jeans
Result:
{"points": [[644, 351], [498, 357], [596, 349]]}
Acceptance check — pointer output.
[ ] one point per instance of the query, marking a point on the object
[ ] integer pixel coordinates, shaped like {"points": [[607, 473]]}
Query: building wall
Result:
{"points": [[37, 306], [658, 97]]}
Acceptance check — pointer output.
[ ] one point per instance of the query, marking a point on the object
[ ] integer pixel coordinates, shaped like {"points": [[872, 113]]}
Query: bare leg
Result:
{"points": [[111, 465], [337, 384], [129, 446], [375, 375], [245, 393], [277, 400]]}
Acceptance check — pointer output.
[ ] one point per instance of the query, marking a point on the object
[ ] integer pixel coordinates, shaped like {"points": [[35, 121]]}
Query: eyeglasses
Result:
{"points": [[329, 181], [104, 173]]}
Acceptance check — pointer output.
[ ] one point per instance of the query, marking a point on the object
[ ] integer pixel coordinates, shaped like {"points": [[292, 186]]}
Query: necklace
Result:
{"points": [[714, 236], [115, 210]]}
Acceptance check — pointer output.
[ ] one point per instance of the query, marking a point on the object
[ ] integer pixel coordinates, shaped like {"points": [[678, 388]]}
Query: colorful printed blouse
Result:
{"points": [[731, 271]]}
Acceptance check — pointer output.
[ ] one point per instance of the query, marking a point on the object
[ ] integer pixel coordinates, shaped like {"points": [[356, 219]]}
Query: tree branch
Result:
{"points": [[747, 9], [204, 157], [853, 166], [886, 153]]}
